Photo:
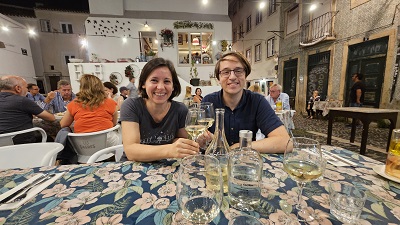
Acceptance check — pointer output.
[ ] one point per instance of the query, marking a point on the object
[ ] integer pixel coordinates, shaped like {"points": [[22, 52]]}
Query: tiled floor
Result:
{"points": [[318, 129]]}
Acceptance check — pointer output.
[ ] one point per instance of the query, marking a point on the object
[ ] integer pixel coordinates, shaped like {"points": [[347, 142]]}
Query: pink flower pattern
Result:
{"points": [[113, 220], [80, 217], [146, 201]]}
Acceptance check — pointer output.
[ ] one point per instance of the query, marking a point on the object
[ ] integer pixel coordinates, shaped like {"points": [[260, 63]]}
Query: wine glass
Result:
{"points": [[209, 116], [304, 163], [199, 188], [192, 124]]}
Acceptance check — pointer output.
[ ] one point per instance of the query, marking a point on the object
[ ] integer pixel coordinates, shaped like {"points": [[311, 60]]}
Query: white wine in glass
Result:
{"points": [[192, 124], [209, 117]]}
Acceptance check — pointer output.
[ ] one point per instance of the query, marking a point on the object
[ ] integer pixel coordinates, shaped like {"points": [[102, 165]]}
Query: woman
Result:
{"points": [[92, 110], [153, 125], [111, 90], [197, 98], [310, 111]]}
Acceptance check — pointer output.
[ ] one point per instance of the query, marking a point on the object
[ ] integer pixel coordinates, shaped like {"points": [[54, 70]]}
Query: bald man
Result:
{"points": [[16, 110]]}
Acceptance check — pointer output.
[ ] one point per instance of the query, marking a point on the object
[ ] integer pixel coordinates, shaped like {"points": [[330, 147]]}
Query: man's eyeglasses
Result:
{"points": [[226, 73]]}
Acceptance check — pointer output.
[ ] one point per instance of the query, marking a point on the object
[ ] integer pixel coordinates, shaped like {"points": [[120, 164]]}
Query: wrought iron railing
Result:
{"points": [[317, 29]]}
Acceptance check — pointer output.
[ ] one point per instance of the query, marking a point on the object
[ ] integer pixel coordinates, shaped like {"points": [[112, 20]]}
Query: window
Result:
{"points": [[271, 7], [241, 30], [66, 28], [257, 52], [67, 57], [292, 20], [248, 55], [45, 25], [196, 47], [270, 47], [258, 17], [248, 23]]}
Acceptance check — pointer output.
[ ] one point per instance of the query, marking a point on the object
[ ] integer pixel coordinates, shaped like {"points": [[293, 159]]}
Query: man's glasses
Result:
{"points": [[226, 72]]}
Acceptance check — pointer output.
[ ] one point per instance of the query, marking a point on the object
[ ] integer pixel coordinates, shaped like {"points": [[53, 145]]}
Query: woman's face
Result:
{"points": [[198, 92], [159, 85], [108, 91]]}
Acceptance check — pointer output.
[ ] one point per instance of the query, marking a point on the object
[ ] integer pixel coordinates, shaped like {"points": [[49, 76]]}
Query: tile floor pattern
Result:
{"points": [[318, 129]]}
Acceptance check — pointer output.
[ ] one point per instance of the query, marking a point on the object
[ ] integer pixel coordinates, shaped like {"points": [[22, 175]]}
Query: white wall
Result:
{"points": [[114, 7], [11, 58]]}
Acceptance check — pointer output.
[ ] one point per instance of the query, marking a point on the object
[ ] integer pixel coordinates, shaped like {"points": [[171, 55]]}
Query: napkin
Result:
{"points": [[31, 193], [337, 160]]}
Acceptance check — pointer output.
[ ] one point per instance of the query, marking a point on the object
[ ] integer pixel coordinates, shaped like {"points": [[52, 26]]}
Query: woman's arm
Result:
{"points": [[196, 99], [67, 119], [135, 151], [115, 116]]}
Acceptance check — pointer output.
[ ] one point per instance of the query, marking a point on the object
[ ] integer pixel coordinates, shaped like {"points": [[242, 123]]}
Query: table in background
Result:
{"points": [[51, 128], [325, 105], [366, 116], [144, 193], [286, 117]]}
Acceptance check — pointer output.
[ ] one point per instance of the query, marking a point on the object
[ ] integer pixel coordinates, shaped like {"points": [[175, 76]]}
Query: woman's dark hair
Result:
{"points": [[110, 85], [241, 59], [195, 92], [155, 64]]}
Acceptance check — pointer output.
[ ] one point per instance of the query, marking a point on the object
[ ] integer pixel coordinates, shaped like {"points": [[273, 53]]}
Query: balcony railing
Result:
{"points": [[317, 30]]}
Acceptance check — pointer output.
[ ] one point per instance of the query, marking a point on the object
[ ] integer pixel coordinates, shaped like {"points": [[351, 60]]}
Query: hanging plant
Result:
{"points": [[183, 24], [224, 44], [168, 37]]}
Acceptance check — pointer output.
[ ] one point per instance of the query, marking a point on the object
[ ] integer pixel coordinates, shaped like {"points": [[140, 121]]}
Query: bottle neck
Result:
{"points": [[219, 121]]}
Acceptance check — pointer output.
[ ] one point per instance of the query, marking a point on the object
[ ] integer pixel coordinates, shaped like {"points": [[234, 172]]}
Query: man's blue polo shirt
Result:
{"points": [[252, 113]]}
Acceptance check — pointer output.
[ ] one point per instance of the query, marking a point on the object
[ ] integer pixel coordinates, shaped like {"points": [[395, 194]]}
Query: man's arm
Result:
{"points": [[46, 116], [358, 96]]}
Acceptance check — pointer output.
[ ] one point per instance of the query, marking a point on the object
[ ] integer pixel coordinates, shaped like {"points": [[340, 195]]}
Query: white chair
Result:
{"points": [[117, 150], [87, 144], [29, 155], [7, 138]]}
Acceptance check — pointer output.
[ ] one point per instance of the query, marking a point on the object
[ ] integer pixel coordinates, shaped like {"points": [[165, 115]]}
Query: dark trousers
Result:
{"points": [[310, 112]]}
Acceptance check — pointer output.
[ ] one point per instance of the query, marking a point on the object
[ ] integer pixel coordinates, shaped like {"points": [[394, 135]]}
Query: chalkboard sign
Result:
{"points": [[318, 74]]}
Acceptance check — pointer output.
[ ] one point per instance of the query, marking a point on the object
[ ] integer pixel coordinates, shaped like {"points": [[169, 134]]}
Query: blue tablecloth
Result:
{"points": [[144, 193]]}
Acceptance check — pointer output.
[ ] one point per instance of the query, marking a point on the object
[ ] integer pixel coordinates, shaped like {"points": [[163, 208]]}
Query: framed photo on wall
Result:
{"points": [[180, 39]]}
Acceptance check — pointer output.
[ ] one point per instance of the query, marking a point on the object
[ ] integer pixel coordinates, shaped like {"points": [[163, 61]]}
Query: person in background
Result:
{"points": [[153, 125], [275, 93], [132, 90], [122, 96], [197, 97], [111, 90], [315, 97], [244, 110], [92, 110], [255, 88], [56, 101], [33, 93], [357, 91], [16, 110]]}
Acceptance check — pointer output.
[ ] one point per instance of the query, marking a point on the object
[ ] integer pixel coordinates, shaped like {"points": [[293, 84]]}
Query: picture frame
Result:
{"points": [[180, 39]]}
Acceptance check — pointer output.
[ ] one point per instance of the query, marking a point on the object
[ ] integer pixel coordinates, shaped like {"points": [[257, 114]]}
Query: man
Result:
{"points": [[357, 90], [56, 101], [16, 110], [132, 89], [33, 93], [275, 93], [245, 110], [123, 95]]}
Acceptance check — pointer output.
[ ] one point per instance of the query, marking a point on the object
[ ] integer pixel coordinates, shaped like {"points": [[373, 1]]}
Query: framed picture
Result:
{"points": [[180, 39]]}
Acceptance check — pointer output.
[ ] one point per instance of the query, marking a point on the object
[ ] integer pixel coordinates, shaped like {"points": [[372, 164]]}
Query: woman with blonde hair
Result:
{"points": [[255, 88], [92, 109]]}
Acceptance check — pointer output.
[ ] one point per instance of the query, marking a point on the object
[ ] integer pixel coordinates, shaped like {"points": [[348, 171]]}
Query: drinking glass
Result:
{"points": [[199, 188], [209, 117], [303, 162], [392, 167], [193, 124]]}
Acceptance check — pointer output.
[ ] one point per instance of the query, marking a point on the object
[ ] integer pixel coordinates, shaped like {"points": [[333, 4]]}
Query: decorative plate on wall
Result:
{"points": [[135, 70], [115, 78]]}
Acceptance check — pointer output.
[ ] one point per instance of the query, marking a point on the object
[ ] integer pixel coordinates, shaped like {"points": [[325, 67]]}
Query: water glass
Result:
{"points": [[346, 201], [199, 188], [392, 167], [244, 220]]}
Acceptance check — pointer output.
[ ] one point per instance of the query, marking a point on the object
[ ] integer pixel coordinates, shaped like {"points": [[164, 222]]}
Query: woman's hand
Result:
{"points": [[183, 147]]}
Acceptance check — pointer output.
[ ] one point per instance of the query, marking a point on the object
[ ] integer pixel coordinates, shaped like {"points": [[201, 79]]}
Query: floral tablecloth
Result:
{"points": [[144, 193], [325, 105]]}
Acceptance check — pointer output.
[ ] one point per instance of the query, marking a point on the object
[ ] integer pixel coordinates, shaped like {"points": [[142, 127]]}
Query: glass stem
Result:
{"points": [[300, 199]]}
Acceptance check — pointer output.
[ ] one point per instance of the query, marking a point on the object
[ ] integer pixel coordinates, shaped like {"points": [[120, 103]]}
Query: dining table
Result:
{"points": [[324, 106], [50, 127], [145, 193]]}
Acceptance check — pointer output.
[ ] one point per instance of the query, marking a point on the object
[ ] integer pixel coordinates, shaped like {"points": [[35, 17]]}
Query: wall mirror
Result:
{"points": [[147, 42]]}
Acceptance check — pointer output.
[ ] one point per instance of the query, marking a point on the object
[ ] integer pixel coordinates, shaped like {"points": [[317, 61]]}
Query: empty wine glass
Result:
{"points": [[199, 188], [304, 163], [193, 124]]}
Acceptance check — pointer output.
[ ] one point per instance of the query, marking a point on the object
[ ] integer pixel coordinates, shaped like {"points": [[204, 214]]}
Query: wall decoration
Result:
{"points": [[189, 24], [180, 39], [168, 37], [115, 78]]}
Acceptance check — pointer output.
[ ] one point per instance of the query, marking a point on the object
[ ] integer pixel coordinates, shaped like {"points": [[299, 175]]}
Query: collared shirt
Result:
{"points": [[58, 104], [284, 98], [252, 113], [35, 98]]}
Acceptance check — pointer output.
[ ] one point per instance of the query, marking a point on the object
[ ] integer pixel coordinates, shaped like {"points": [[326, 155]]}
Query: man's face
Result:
{"points": [[233, 82], [124, 92], [274, 92], [34, 90], [22, 88], [65, 91], [354, 78]]}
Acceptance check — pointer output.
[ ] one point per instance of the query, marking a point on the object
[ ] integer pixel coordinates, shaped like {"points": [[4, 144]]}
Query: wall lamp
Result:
{"points": [[146, 25]]}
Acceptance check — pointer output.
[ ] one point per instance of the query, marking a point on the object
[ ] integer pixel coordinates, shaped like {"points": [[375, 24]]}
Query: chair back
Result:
{"points": [[117, 150], [87, 144], [29, 155], [7, 138]]}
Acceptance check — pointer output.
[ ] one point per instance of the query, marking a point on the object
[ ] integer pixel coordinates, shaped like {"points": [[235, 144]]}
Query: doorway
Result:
{"points": [[289, 80]]}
